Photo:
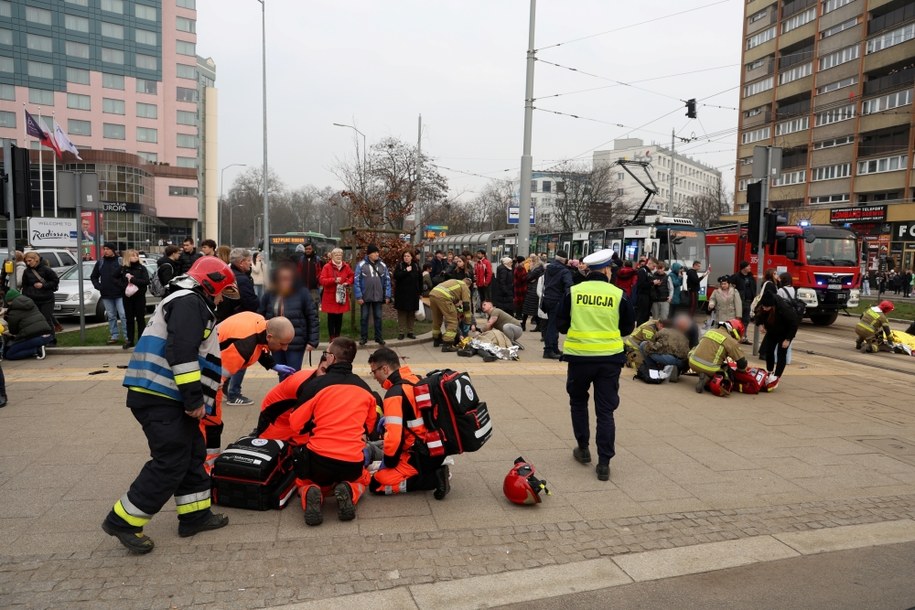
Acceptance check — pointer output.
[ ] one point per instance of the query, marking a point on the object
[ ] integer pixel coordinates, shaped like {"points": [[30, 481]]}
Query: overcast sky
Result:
{"points": [[378, 64]]}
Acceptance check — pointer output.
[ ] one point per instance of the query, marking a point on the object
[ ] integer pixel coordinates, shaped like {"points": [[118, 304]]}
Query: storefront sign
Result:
{"points": [[52, 232], [120, 206], [874, 213], [904, 231]]}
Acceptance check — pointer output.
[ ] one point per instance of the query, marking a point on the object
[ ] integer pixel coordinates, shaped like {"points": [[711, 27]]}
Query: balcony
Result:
{"points": [[889, 56], [873, 122]]}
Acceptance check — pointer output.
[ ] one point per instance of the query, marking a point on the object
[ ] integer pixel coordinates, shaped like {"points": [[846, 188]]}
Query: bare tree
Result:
{"points": [[586, 197], [708, 207]]}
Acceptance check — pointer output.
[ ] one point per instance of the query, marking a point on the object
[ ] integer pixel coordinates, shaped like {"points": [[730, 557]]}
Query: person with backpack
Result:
{"points": [[780, 320], [167, 268], [406, 465], [106, 278]]}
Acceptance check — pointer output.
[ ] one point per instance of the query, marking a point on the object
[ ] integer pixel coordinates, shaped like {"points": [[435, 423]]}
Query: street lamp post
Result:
{"points": [[364, 164], [232, 223], [264, 86], [222, 178]]}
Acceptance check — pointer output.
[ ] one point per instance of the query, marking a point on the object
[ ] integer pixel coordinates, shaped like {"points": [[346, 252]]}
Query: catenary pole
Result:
{"points": [[673, 165], [264, 86], [417, 212], [524, 206]]}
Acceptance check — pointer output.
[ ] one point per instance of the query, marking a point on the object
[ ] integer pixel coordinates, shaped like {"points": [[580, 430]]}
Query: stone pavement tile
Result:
{"points": [[292, 523], [454, 513], [404, 505], [609, 504], [392, 599], [882, 463], [396, 525], [31, 543], [690, 471], [540, 513], [791, 467], [663, 507], [849, 537], [668, 563], [654, 451], [72, 516]]}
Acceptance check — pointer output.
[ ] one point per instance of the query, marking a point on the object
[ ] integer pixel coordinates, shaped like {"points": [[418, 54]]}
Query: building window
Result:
{"points": [[186, 25], [111, 106], [147, 134], [76, 49], [186, 71], [141, 11], [760, 15], [6, 9], [831, 5], [891, 39], [789, 178], [78, 76], [79, 102], [186, 48], [831, 172], [7, 119], [887, 102], [147, 62], [6, 37], [792, 126], [77, 24], [41, 97], [795, 73], [113, 6], [761, 37], [839, 84], [185, 94], [75, 127], [759, 63], [833, 142], [886, 164], [186, 117], [182, 191], [6, 64], [78, 2], [113, 56], [147, 37], [147, 86], [38, 69], [147, 111], [149, 157], [830, 199], [547, 186], [758, 87], [34, 42], [835, 115], [113, 81], [187, 162], [37, 15], [837, 58], [836, 29], [7, 92], [184, 140], [754, 111], [191, 4], [798, 20], [748, 137], [112, 30], [113, 131]]}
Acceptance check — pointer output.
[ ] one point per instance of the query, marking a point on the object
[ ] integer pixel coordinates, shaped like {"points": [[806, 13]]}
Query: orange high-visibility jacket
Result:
{"points": [[402, 421], [243, 341], [278, 405]]}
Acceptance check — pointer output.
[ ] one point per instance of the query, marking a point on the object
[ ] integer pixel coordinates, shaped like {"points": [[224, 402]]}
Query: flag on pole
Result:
{"points": [[63, 142], [34, 129]]}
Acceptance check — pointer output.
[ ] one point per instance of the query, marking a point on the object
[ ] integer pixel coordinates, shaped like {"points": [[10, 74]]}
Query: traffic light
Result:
{"points": [[691, 108], [22, 184], [773, 220], [754, 204]]}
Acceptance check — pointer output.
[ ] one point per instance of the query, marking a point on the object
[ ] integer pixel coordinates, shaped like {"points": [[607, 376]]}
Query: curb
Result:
{"points": [[551, 581]]}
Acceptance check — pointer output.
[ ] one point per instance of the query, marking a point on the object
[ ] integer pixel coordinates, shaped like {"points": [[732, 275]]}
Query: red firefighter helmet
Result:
{"points": [[213, 275], [886, 306], [719, 385], [735, 327], [521, 485]]}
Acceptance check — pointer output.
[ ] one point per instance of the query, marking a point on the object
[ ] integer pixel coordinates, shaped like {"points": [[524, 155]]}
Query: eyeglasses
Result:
{"points": [[375, 370]]}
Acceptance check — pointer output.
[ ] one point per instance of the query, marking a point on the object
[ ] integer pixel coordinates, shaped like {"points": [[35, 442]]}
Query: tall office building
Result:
{"points": [[121, 77], [830, 81]]}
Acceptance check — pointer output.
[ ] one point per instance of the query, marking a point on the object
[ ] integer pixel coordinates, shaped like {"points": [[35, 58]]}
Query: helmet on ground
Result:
{"points": [[521, 484], [735, 327], [214, 276], [886, 306], [719, 385]]}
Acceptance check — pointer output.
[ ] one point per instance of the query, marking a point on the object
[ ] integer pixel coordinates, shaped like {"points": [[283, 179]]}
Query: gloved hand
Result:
{"points": [[282, 369], [379, 428], [366, 456]]}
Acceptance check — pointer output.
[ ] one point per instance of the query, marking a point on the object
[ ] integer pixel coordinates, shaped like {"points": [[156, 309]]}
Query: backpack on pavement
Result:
{"points": [[652, 375], [254, 473], [456, 420]]}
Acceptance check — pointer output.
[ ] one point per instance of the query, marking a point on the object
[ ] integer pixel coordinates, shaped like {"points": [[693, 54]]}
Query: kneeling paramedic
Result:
{"points": [[338, 410], [873, 323], [171, 381], [280, 402], [594, 316], [447, 301], [632, 342], [406, 465], [710, 357]]}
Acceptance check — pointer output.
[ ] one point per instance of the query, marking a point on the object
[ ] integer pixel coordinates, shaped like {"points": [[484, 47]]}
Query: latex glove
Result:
{"points": [[282, 369], [379, 428], [366, 456]]}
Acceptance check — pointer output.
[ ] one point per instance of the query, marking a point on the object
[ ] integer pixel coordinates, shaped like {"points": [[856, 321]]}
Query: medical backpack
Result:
{"points": [[751, 381], [453, 415], [254, 473]]}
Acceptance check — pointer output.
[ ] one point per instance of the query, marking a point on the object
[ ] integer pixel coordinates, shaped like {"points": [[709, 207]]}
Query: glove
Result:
{"points": [[282, 369], [379, 428], [366, 456]]}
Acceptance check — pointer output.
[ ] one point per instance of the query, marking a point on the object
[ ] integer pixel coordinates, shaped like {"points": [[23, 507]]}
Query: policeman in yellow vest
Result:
{"points": [[594, 316]]}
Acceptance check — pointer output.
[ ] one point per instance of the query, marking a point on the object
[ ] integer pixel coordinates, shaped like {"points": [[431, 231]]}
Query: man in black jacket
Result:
{"points": [[557, 279], [168, 266], [643, 284], [694, 285], [105, 279], [189, 254], [745, 284], [309, 266]]}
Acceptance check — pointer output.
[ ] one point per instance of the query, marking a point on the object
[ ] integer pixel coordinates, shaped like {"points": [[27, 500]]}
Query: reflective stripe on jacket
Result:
{"points": [[645, 332], [872, 321], [595, 327], [713, 349]]}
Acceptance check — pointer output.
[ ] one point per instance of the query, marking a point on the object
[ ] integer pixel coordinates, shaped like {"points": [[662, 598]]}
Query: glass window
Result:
{"points": [[77, 24], [76, 127], [113, 131], [186, 71], [6, 37], [112, 30], [146, 37], [113, 6], [186, 48], [113, 81], [112, 106], [147, 134], [191, 4], [141, 11], [148, 156], [182, 191], [6, 9], [186, 141], [186, 25], [42, 97], [186, 95], [147, 62], [79, 102], [7, 92], [185, 161], [147, 86], [6, 64], [113, 56], [7, 119], [147, 111], [185, 117], [37, 15], [38, 69], [34, 42], [78, 76], [77, 50], [78, 2]]}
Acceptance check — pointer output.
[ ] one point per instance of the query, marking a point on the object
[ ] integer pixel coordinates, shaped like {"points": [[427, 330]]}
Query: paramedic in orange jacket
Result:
{"points": [[337, 411], [405, 466], [280, 402], [244, 339]]}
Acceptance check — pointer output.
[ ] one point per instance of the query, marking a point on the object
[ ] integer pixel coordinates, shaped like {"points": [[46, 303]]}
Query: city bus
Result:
{"points": [[283, 245]]}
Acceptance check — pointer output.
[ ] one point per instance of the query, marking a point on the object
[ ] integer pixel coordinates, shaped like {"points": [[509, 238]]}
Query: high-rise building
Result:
{"points": [[122, 78], [831, 83]]}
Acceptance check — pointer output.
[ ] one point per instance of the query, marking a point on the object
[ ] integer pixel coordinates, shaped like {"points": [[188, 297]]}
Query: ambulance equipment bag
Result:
{"points": [[456, 419], [254, 473]]}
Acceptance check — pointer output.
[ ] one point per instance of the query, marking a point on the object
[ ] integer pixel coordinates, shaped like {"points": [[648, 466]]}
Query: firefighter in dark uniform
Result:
{"points": [[595, 316], [171, 382]]}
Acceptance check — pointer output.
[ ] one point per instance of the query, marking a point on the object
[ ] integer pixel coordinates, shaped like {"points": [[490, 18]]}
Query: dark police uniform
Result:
{"points": [[594, 316]]}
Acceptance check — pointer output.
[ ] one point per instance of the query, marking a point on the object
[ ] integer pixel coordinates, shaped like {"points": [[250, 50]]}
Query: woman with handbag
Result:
{"points": [[336, 278], [408, 283], [39, 282], [136, 279]]}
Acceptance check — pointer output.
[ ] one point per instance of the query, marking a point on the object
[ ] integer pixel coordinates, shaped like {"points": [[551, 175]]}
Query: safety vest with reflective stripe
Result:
{"points": [[150, 372], [595, 328], [645, 332], [872, 320], [712, 351]]}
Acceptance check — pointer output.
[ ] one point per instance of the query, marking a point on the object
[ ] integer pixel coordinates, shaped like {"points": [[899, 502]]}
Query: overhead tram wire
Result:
{"points": [[641, 80], [612, 80]]}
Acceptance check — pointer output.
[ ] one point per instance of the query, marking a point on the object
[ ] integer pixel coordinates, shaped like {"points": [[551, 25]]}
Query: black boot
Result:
{"points": [[443, 483], [213, 521], [132, 538], [2, 400], [436, 342]]}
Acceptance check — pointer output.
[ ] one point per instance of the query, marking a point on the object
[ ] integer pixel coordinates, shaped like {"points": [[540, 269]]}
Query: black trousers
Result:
{"points": [[642, 310], [334, 324], [135, 312], [768, 348], [324, 471], [605, 377], [177, 453]]}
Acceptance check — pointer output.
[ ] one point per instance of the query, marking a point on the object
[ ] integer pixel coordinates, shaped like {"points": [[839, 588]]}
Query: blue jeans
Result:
{"points": [[27, 348], [375, 310], [114, 309], [234, 389], [661, 360], [289, 358]]}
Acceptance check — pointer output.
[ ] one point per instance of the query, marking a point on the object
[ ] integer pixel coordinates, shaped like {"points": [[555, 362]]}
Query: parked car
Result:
{"points": [[66, 299], [58, 259]]}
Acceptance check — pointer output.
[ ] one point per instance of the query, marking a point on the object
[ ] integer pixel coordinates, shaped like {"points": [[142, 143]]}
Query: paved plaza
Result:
{"points": [[834, 446]]}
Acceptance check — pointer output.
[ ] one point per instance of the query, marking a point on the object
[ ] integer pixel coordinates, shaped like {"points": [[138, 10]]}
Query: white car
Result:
{"points": [[66, 299], [58, 259]]}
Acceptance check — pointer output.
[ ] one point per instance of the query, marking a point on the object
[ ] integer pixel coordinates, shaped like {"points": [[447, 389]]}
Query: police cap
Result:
{"points": [[599, 259]]}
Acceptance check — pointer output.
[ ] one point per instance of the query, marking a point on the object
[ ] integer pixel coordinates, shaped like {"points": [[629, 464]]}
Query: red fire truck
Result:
{"points": [[822, 261]]}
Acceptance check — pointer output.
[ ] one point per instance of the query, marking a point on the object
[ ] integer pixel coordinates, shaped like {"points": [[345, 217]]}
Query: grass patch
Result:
{"points": [[905, 310]]}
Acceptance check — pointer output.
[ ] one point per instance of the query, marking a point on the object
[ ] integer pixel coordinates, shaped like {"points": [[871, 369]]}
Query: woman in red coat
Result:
{"points": [[520, 285], [336, 278]]}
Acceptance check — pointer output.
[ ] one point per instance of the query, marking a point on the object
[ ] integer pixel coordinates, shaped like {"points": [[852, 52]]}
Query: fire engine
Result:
{"points": [[822, 261]]}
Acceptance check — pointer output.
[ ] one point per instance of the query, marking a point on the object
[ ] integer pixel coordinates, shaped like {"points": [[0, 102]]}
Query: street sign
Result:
{"points": [[52, 232], [435, 231], [514, 213]]}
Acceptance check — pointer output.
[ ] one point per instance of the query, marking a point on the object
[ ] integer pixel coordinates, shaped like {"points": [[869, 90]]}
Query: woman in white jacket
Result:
{"points": [[259, 275], [725, 302]]}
